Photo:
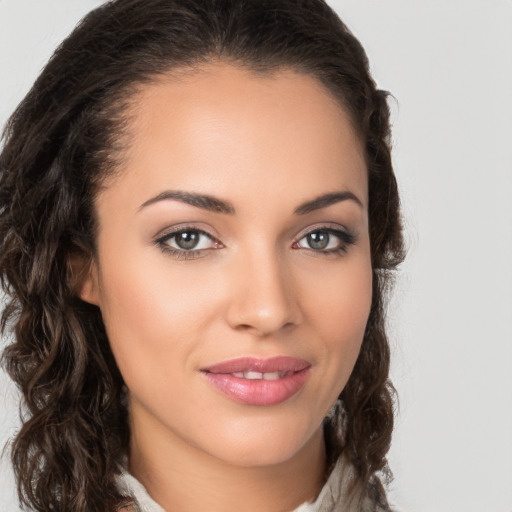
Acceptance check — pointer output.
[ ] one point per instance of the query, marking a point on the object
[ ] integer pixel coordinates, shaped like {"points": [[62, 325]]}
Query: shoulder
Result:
{"points": [[140, 500], [343, 493]]}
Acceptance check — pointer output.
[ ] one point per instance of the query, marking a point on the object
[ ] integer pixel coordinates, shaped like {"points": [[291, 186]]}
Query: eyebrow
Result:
{"points": [[327, 200], [213, 204], [202, 201]]}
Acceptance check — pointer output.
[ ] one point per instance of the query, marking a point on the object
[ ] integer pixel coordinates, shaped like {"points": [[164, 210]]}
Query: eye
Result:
{"points": [[326, 240], [187, 242]]}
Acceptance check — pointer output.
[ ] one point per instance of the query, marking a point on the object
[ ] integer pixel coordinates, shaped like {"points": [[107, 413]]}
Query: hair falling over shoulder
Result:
{"points": [[62, 142]]}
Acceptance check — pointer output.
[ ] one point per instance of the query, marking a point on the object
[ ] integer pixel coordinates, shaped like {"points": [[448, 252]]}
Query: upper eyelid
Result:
{"points": [[167, 233], [326, 226]]}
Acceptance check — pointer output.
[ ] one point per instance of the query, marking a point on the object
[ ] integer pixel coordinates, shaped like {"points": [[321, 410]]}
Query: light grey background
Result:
{"points": [[449, 65]]}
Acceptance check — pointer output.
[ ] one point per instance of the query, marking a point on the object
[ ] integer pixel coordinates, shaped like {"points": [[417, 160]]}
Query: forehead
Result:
{"points": [[222, 125]]}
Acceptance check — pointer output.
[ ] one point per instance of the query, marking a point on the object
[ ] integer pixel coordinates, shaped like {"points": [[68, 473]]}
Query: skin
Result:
{"points": [[267, 144]]}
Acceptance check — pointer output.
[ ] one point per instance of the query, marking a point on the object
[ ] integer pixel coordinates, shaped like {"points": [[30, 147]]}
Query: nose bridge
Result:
{"points": [[263, 297]]}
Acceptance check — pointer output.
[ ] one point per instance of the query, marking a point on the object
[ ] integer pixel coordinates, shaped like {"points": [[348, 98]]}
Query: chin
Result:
{"points": [[266, 445]]}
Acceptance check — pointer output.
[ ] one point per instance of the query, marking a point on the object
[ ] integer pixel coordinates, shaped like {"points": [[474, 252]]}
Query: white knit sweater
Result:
{"points": [[334, 496]]}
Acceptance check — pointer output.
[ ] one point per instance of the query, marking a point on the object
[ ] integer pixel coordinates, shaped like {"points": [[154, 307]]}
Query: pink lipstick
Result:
{"points": [[255, 381]]}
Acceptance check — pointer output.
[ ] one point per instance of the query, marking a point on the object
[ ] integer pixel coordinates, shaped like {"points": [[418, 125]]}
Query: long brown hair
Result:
{"points": [[63, 140]]}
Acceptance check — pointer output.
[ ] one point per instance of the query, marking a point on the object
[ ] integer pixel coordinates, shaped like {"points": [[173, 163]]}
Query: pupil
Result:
{"points": [[318, 240], [187, 240]]}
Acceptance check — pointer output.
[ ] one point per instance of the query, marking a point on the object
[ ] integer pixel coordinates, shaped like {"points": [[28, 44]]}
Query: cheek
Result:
{"points": [[141, 293], [342, 304], [148, 318], [150, 308], [340, 311]]}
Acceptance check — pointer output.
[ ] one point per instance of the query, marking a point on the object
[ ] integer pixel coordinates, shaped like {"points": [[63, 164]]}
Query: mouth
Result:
{"points": [[254, 381]]}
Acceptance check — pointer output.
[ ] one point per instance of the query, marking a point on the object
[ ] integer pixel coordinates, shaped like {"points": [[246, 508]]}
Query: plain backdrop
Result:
{"points": [[448, 64]]}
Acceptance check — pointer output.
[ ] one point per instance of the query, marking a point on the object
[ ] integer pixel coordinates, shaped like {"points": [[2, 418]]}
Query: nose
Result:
{"points": [[263, 299]]}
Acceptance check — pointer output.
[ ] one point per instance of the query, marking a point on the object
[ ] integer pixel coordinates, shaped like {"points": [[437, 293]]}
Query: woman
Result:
{"points": [[198, 220]]}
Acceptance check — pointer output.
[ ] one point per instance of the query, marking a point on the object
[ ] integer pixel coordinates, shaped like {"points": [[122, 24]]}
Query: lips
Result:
{"points": [[255, 381]]}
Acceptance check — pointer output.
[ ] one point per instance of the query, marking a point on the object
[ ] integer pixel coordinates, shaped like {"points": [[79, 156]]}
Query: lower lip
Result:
{"points": [[258, 391]]}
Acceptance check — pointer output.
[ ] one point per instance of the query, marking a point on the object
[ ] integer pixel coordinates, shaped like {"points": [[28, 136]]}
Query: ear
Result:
{"points": [[83, 278]]}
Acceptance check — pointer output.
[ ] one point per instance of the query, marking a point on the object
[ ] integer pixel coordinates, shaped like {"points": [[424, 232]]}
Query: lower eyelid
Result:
{"points": [[182, 255]]}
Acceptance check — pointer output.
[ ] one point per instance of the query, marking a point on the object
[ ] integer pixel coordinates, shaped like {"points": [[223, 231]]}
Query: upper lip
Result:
{"points": [[255, 364]]}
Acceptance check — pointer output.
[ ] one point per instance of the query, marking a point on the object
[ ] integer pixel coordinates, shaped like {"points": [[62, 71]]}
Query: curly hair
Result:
{"points": [[62, 142]]}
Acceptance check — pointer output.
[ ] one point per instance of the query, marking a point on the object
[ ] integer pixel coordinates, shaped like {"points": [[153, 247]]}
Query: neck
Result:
{"points": [[182, 477]]}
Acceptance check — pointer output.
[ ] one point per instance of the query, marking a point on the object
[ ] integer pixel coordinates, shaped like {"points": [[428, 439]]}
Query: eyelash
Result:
{"points": [[345, 238], [183, 254]]}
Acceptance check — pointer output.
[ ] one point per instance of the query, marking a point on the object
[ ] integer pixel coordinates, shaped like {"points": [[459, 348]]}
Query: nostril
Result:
{"points": [[262, 298]]}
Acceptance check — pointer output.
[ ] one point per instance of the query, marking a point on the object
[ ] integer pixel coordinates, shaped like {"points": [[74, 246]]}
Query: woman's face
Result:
{"points": [[233, 269]]}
